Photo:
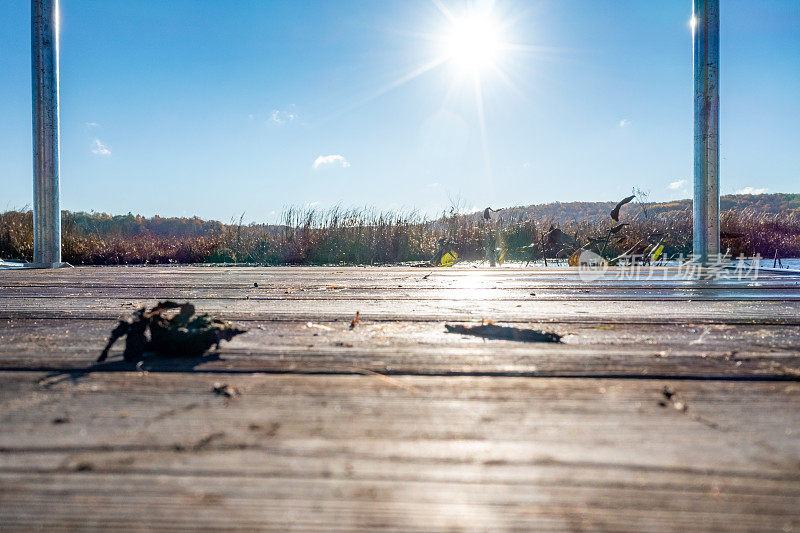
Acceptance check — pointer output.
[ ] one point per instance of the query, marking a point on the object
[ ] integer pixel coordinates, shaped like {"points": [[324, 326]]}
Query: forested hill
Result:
{"points": [[561, 212]]}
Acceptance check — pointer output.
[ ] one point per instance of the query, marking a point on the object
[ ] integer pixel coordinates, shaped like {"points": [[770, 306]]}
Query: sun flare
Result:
{"points": [[476, 46], [473, 42]]}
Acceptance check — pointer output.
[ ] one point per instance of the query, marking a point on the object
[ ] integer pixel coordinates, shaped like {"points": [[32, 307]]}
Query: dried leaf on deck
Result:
{"points": [[223, 389], [493, 331], [169, 329]]}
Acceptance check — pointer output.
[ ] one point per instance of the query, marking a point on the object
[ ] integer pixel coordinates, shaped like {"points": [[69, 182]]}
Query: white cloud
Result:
{"points": [[329, 161], [433, 185], [624, 123], [750, 190], [100, 148], [282, 117], [92, 124], [675, 185]]}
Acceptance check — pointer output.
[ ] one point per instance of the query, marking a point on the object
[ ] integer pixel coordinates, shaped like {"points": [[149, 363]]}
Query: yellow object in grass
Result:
{"points": [[657, 252], [575, 259], [502, 256], [449, 259]]}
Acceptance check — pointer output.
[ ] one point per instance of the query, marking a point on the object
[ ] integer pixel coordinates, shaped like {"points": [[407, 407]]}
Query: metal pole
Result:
{"points": [[44, 65], [705, 24]]}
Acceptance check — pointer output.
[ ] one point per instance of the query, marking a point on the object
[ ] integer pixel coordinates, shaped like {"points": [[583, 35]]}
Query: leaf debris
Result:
{"points": [[354, 322], [223, 389], [493, 331], [670, 396], [174, 331]]}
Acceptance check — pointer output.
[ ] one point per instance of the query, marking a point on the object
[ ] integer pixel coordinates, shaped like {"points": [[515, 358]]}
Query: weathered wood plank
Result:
{"points": [[411, 452], [397, 424], [320, 279], [425, 348], [428, 310], [584, 292], [226, 502], [401, 294], [579, 419]]}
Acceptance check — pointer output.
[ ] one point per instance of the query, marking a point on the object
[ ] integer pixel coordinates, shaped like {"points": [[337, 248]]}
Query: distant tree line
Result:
{"points": [[764, 224]]}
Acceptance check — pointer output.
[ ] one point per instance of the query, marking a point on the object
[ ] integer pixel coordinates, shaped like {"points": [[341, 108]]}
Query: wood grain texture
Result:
{"points": [[611, 350], [396, 424], [361, 451]]}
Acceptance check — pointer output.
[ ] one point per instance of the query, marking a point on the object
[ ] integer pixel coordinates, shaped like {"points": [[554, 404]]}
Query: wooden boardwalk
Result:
{"points": [[397, 424]]}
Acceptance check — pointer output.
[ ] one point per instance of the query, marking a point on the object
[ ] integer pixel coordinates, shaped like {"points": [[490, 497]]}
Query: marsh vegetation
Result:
{"points": [[367, 236]]}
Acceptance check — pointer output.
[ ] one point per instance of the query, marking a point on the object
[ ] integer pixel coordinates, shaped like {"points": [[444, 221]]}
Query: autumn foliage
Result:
{"points": [[752, 224]]}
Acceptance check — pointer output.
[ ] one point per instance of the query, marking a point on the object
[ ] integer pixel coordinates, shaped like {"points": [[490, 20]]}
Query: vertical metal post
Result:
{"points": [[44, 68], [705, 27]]}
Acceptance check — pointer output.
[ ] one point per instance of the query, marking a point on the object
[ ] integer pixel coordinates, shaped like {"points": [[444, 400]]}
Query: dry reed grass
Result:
{"points": [[366, 236]]}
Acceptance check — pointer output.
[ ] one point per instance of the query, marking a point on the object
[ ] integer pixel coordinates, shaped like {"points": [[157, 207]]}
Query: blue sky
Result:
{"points": [[218, 108]]}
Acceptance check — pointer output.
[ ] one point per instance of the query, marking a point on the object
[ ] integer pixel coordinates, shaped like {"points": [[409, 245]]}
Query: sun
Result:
{"points": [[473, 41]]}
